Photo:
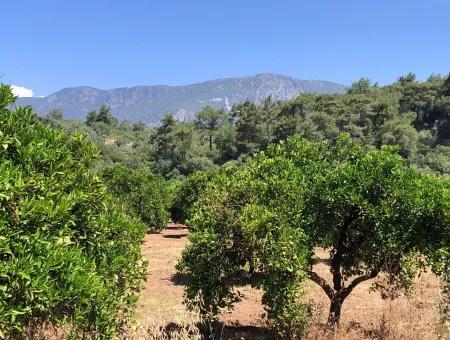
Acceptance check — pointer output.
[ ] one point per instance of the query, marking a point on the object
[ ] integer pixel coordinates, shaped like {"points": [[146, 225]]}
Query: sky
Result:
{"points": [[47, 45]]}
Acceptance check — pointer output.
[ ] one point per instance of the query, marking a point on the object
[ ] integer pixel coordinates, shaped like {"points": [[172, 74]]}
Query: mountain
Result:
{"points": [[150, 103]]}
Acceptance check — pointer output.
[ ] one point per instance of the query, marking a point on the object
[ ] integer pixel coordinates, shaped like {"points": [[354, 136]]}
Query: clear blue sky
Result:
{"points": [[51, 44]]}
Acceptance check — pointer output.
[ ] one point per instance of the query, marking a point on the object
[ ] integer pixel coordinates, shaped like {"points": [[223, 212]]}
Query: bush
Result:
{"points": [[189, 190], [240, 238], [186, 193], [68, 254], [143, 194]]}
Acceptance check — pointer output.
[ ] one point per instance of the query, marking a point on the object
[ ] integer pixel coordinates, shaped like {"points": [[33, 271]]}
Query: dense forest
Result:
{"points": [[413, 115], [363, 175]]}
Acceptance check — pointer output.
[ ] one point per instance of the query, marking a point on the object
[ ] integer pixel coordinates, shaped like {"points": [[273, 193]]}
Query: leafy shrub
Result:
{"points": [[229, 231], [68, 255], [187, 192], [144, 194]]}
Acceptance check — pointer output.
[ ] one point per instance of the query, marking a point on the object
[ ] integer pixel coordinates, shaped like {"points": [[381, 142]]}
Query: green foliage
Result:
{"points": [[362, 86], [68, 254], [210, 120], [178, 150], [409, 78], [140, 126], [230, 229], [249, 123], [188, 192], [144, 195], [120, 144], [412, 115], [55, 115], [446, 87], [103, 115], [261, 223]]}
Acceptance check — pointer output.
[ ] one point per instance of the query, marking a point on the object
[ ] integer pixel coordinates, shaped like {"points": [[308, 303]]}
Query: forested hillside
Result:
{"points": [[413, 115]]}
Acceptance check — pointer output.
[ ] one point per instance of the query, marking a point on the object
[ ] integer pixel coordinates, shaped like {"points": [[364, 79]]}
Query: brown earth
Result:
{"points": [[365, 315]]}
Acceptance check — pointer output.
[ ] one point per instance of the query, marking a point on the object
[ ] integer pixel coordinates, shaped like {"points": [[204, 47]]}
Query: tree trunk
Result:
{"points": [[251, 268], [335, 313], [337, 297], [210, 142]]}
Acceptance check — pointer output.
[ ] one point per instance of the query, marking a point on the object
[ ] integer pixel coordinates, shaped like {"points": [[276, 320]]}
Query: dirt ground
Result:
{"points": [[365, 315]]}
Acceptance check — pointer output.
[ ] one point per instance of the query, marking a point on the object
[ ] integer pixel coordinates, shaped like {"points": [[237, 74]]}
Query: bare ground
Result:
{"points": [[365, 315]]}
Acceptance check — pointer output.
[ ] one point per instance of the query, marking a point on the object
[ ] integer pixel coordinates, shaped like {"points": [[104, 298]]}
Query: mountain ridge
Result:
{"points": [[148, 103]]}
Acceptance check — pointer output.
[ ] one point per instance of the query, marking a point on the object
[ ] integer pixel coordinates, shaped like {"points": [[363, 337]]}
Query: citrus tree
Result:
{"points": [[187, 192], [68, 255], [143, 194], [375, 216]]}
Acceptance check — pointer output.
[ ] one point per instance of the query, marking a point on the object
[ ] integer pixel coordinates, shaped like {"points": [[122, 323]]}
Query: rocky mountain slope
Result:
{"points": [[150, 103]]}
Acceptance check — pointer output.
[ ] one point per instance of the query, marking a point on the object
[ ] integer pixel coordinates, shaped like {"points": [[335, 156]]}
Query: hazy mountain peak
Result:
{"points": [[150, 103]]}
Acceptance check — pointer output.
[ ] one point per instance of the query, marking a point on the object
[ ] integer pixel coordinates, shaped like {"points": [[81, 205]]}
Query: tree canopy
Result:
{"points": [[368, 209], [103, 115], [69, 255], [145, 195], [410, 114]]}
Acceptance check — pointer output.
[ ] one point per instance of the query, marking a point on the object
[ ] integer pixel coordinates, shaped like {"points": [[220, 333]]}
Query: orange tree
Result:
{"points": [[68, 255], [143, 194], [261, 225], [186, 193]]}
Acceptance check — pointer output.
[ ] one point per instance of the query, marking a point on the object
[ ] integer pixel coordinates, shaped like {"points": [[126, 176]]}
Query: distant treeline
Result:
{"points": [[413, 115]]}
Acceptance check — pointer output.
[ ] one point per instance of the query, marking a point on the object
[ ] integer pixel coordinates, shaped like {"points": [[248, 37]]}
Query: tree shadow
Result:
{"points": [[176, 236], [170, 226], [319, 260], [174, 330], [179, 279], [240, 280], [173, 226], [219, 330]]}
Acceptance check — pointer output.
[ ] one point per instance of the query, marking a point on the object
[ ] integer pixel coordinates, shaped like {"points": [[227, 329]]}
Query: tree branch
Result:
{"points": [[344, 292], [336, 260], [363, 278], [322, 283]]}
